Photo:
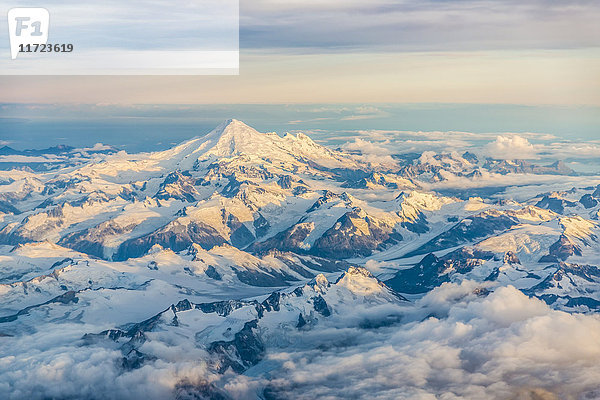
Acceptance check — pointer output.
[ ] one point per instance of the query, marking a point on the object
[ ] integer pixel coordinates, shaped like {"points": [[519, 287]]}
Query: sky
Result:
{"points": [[539, 52], [135, 36]]}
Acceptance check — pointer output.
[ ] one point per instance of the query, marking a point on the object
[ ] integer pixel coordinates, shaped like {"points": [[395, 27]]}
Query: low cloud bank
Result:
{"points": [[503, 346], [455, 343]]}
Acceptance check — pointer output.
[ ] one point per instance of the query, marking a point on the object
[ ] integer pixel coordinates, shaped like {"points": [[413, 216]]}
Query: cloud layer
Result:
{"points": [[452, 344], [423, 26], [502, 346]]}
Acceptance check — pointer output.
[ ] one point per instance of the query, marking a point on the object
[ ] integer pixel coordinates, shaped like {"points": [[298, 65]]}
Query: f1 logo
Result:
{"points": [[27, 26]]}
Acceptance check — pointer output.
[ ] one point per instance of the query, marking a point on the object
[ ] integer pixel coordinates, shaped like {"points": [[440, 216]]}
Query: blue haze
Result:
{"points": [[155, 127]]}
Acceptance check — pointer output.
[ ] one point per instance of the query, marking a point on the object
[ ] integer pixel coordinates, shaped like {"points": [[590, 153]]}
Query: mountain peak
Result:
{"points": [[233, 139], [232, 124], [231, 127]]}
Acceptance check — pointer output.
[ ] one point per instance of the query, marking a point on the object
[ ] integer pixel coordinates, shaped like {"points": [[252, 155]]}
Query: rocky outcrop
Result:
{"points": [[469, 229], [432, 271], [561, 250], [355, 234], [174, 236]]}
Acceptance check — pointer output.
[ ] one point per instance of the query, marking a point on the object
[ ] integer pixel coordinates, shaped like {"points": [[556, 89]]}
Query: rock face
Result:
{"points": [[7, 208], [568, 286], [245, 350], [511, 258], [91, 240], [178, 185], [291, 239], [355, 234], [555, 204], [588, 201], [472, 228], [174, 236], [561, 250], [432, 271], [371, 180]]}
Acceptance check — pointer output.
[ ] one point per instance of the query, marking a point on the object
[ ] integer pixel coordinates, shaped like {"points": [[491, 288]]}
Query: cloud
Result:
{"points": [[96, 147], [441, 146], [366, 112], [53, 363], [409, 141], [196, 25], [423, 26], [370, 152], [577, 150], [367, 147], [503, 146], [510, 148], [302, 121], [520, 187], [458, 346], [31, 159], [337, 113]]}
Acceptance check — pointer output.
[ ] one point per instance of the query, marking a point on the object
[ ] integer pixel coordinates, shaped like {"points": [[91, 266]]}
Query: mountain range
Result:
{"points": [[230, 249]]}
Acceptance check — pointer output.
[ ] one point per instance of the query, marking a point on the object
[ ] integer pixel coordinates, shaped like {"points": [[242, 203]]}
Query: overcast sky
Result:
{"points": [[500, 51]]}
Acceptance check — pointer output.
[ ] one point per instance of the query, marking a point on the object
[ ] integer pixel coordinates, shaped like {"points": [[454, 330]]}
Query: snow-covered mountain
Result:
{"points": [[238, 254]]}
